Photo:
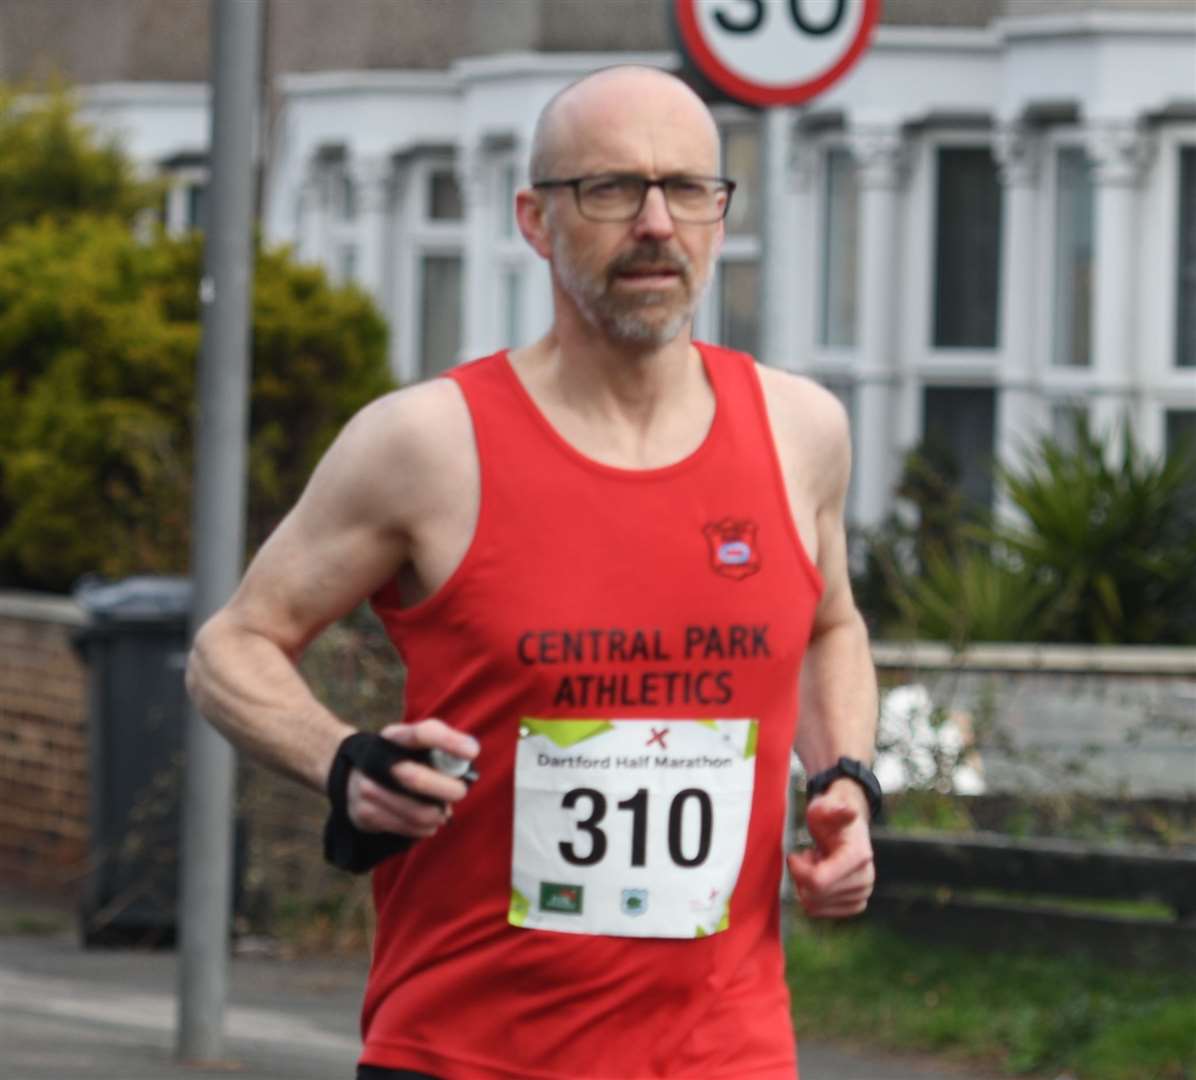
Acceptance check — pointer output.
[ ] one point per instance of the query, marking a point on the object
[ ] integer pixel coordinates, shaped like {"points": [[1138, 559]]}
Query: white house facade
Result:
{"points": [[980, 231]]}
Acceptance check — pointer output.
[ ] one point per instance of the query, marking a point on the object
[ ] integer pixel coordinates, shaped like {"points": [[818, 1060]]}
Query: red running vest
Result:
{"points": [[591, 591]]}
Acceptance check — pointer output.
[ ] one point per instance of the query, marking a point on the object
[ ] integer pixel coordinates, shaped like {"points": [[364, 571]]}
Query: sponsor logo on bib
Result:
{"points": [[635, 901], [563, 899]]}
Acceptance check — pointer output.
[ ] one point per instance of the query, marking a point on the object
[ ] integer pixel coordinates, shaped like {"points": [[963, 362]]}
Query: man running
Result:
{"points": [[606, 559]]}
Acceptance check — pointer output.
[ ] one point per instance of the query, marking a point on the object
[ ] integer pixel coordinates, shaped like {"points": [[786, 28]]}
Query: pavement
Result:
{"points": [[110, 1014]]}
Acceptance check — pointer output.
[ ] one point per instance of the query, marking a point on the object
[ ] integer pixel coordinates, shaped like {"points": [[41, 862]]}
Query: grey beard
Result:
{"points": [[630, 328], [622, 325]]}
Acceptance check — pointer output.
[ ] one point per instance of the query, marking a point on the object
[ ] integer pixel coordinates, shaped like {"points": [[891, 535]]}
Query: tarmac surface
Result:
{"points": [[110, 1014]]}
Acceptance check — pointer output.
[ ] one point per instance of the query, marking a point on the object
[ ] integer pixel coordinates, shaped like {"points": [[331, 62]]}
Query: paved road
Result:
{"points": [[110, 1015]]}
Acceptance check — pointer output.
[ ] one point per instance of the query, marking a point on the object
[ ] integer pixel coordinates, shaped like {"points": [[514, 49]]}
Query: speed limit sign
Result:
{"points": [[775, 52]]}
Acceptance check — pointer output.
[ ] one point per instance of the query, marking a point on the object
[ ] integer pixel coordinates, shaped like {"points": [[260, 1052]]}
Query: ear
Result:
{"points": [[531, 214]]}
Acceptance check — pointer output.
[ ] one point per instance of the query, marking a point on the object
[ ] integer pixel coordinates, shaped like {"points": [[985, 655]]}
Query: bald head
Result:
{"points": [[636, 278], [609, 99]]}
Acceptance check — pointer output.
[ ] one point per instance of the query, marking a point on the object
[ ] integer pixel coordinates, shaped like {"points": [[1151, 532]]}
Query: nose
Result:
{"points": [[654, 219]]}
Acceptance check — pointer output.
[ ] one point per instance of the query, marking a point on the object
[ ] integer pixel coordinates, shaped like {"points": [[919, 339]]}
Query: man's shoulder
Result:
{"points": [[798, 402], [425, 417], [810, 429], [400, 450]]}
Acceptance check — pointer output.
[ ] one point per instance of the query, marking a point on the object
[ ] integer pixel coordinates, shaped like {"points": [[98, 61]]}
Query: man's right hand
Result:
{"points": [[374, 808]]}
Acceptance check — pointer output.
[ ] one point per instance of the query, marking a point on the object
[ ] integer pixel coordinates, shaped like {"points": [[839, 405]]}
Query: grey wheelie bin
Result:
{"points": [[135, 647]]}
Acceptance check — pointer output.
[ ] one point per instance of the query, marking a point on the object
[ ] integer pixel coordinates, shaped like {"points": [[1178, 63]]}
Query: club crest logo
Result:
{"points": [[634, 902], [733, 548]]}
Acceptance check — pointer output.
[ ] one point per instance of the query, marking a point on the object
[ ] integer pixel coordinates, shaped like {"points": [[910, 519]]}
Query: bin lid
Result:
{"points": [[141, 598]]}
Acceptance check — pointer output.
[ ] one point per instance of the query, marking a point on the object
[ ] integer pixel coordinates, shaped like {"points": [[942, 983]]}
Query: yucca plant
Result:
{"points": [[1102, 550], [1111, 536], [888, 557], [974, 594]]}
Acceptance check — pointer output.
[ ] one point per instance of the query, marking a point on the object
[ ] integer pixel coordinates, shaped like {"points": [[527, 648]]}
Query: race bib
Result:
{"points": [[634, 828]]}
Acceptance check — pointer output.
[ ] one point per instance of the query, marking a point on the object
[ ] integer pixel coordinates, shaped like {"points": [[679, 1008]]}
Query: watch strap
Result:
{"points": [[851, 769]]}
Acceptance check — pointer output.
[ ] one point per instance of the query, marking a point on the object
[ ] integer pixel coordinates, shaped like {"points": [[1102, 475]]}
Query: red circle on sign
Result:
{"points": [[751, 93]]}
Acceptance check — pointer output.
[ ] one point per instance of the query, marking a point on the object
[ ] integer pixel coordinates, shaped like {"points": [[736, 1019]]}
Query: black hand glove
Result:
{"points": [[345, 845]]}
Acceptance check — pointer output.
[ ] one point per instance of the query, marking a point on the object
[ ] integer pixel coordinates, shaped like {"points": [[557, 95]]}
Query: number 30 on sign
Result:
{"points": [[775, 52]]}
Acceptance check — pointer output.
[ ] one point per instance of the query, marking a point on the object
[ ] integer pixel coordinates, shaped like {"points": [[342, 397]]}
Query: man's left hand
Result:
{"points": [[834, 877]]}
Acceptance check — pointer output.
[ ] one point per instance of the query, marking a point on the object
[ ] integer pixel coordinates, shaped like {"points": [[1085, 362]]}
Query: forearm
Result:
{"points": [[838, 697], [250, 690]]}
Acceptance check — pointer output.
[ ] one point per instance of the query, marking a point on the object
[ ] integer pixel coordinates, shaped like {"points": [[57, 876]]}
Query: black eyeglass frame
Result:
{"points": [[575, 183]]}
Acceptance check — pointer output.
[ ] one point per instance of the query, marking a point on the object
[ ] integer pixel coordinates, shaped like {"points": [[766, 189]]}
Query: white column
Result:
{"points": [[878, 155], [372, 185], [1119, 152], [776, 240], [802, 306], [1021, 410], [404, 287]]}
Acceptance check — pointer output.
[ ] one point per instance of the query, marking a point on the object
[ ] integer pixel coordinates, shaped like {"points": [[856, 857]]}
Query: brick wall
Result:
{"points": [[45, 810], [43, 746]]}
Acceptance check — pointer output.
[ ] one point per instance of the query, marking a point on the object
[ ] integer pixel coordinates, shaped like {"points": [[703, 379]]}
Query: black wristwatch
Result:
{"points": [[853, 770]]}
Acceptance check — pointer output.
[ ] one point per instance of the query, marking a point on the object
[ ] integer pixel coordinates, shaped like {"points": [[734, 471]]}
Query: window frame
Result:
{"points": [[822, 224], [1169, 387], [1056, 145], [1169, 413], [960, 140], [418, 235], [1057, 381], [506, 173], [738, 248], [337, 196], [830, 363], [1178, 146], [181, 180], [991, 387], [917, 249]]}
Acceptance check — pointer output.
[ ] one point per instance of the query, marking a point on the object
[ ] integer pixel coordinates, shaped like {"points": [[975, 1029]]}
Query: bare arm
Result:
{"points": [[838, 682], [351, 531], [838, 687]]}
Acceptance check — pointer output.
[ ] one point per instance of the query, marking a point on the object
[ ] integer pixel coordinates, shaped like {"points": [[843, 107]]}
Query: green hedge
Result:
{"points": [[99, 338]]}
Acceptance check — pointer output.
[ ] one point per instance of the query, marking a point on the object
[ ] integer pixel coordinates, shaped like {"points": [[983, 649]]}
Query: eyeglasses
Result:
{"points": [[695, 200]]}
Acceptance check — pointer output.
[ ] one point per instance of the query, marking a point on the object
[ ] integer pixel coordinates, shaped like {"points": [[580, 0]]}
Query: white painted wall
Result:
{"points": [[151, 120]]}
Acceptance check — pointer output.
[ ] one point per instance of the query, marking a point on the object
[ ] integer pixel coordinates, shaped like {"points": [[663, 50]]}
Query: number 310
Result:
{"points": [[637, 806], [797, 8]]}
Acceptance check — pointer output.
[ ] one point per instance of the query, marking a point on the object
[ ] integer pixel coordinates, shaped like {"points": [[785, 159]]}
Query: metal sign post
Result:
{"points": [[775, 240], [218, 518]]}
